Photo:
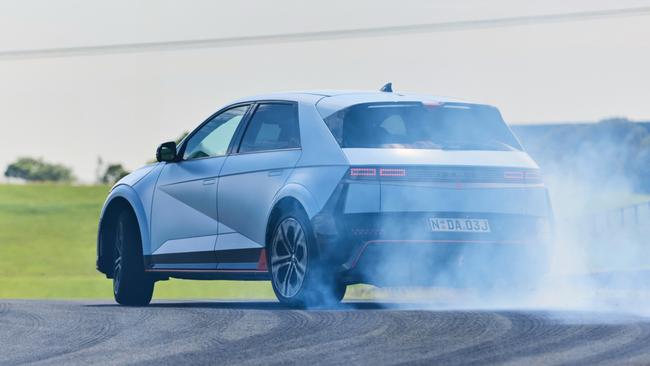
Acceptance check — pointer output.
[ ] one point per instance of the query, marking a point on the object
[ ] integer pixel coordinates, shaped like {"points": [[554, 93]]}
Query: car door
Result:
{"points": [[184, 222], [249, 180]]}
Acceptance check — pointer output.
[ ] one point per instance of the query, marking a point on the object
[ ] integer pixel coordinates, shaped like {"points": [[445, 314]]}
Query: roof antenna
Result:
{"points": [[388, 88]]}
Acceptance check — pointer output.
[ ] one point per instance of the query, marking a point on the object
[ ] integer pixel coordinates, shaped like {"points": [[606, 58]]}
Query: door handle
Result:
{"points": [[208, 182], [275, 173]]}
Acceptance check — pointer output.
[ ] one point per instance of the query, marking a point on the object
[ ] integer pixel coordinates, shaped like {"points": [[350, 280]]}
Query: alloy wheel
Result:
{"points": [[289, 257], [119, 248]]}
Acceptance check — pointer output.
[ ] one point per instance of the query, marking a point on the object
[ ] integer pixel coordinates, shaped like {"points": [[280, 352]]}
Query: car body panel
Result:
{"points": [[319, 146], [247, 186], [191, 244], [363, 197], [298, 192], [145, 188], [413, 198], [135, 176], [299, 97], [185, 206], [208, 218], [319, 181], [128, 193]]}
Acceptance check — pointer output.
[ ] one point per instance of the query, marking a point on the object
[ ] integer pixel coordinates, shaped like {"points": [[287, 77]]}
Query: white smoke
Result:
{"points": [[598, 258]]}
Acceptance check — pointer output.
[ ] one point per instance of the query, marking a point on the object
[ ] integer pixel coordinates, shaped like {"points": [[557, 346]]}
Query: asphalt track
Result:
{"points": [[246, 333]]}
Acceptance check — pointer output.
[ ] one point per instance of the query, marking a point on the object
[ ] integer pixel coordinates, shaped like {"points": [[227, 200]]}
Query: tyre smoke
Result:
{"points": [[598, 259]]}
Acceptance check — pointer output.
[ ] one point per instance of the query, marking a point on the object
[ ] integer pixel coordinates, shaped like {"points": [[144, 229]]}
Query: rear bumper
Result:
{"points": [[401, 248], [458, 264], [436, 252]]}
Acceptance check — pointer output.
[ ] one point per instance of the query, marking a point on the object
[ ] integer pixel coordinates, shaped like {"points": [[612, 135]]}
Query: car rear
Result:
{"points": [[436, 193]]}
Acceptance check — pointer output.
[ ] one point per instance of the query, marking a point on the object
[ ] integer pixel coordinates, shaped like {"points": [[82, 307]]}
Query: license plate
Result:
{"points": [[459, 225]]}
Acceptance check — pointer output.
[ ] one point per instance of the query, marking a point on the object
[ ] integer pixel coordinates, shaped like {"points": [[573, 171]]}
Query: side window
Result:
{"points": [[274, 126], [214, 137]]}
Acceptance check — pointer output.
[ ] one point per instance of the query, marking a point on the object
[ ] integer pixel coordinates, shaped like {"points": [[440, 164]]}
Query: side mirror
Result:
{"points": [[166, 152]]}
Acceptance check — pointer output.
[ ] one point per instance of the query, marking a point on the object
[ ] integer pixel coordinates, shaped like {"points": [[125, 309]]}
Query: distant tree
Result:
{"points": [[181, 137], [37, 170], [99, 170], [113, 173]]}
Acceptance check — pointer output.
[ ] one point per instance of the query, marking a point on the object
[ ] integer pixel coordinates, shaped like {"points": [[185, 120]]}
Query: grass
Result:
{"points": [[47, 249]]}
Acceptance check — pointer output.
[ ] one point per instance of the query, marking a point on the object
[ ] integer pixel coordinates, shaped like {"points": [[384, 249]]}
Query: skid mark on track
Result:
{"points": [[623, 343], [4, 308], [252, 324], [52, 333]]}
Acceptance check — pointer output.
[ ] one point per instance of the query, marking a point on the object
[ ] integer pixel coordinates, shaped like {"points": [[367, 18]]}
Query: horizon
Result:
{"points": [[94, 180]]}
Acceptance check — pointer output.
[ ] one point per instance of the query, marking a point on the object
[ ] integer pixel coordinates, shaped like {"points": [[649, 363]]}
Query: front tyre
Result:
{"points": [[131, 285], [298, 275]]}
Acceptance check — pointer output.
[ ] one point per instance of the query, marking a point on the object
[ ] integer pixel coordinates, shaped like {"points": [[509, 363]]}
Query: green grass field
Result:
{"points": [[47, 249]]}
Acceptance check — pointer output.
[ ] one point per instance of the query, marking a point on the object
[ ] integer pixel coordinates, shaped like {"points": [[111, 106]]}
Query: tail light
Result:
{"points": [[363, 172], [392, 172], [529, 176], [372, 172], [446, 174], [515, 175], [533, 175]]}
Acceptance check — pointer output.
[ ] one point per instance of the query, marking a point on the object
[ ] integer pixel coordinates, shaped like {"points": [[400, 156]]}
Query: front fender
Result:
{"points": [[125, 192]]}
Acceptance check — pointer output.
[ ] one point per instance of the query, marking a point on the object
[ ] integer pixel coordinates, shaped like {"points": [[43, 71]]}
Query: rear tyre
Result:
{"points": [[131, 284], [338, 292], [298, 275]]}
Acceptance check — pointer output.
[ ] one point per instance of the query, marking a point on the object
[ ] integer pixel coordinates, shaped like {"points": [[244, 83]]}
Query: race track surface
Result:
{"points": [[246, 333]]}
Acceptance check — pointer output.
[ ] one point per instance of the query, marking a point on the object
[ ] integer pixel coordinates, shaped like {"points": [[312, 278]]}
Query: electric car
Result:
{"points": [[319, 190]]}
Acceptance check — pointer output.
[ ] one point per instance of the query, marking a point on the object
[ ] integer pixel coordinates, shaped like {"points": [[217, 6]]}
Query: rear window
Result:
{"points": [[417, 125]]}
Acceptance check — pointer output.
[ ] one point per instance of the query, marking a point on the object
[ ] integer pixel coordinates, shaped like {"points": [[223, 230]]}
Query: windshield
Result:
{"points": [[417, 125]]}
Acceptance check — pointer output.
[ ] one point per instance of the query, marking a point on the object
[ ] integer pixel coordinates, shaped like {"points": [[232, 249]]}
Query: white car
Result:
{"points": [[318, 190]]}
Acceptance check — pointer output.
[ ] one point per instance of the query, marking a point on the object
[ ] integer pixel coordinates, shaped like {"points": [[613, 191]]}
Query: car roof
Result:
{"points": [[348, 97]]}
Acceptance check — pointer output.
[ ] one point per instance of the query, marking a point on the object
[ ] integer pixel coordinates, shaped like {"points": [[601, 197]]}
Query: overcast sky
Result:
{"points": [[72, 109]]}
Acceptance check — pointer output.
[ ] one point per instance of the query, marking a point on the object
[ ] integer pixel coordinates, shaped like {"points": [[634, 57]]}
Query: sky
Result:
{"points": [[72, 108]]}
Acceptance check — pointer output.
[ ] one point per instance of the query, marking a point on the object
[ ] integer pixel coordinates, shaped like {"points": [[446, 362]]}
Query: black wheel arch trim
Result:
{"points": [[121, 197]]}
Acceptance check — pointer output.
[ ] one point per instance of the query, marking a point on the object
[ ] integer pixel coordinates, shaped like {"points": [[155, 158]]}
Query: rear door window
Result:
{"points": [[273, 126]]}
